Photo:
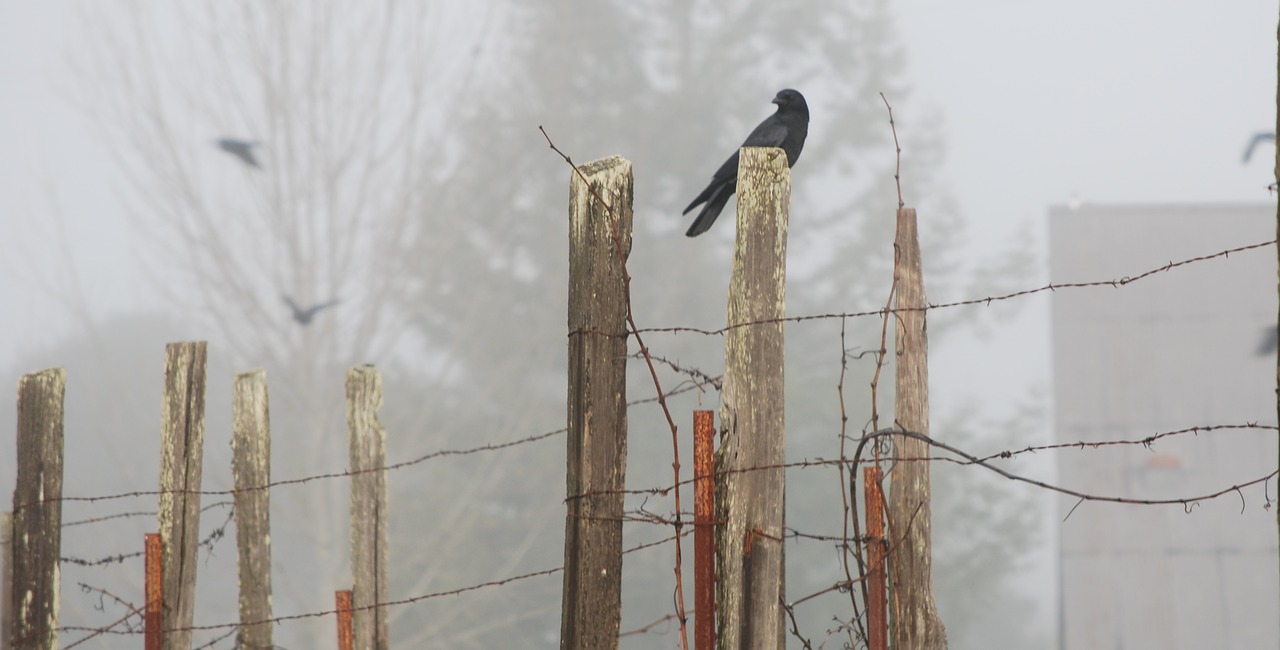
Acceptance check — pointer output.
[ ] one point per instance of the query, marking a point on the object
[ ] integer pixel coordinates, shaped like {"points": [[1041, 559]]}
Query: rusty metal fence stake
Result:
{"points": [[153, 592], [704, 532], [877, 625], [345, 636]]}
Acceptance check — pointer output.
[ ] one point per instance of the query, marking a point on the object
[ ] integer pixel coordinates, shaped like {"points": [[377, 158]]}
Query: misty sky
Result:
{"points": [[1133, 102], [1149, 102]]}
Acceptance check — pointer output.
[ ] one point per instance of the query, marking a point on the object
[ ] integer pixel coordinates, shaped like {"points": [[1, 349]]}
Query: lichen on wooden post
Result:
{"points": [[915, 616], [181, 456], [251, 471], [37, 510], [599, 242], [752, 449], [369, 531]]}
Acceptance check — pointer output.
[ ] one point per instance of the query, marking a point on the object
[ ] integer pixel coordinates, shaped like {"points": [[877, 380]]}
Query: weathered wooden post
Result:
{"points": [[37, 511], [599, 243], [181, 455], [6, 580], [369, 533], [251, 470], [752, 446], [915, 617]]}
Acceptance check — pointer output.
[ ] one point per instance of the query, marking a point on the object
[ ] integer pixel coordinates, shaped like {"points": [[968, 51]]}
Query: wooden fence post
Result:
{"points": [[369, 548], [915, 617], [752, 447], [251, 469], [181, 455], [599, 242], [6, 580], [37, 510]]}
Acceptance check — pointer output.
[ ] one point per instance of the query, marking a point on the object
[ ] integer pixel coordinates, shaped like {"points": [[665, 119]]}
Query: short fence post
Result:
{"points": [[751, 416], [704, 530], [37, 510], [369, 557], [600, 213], [181, 455], [251, 469]]}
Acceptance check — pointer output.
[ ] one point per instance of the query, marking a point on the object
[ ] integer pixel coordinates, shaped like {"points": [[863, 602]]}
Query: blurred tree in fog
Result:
{"points": [[402, 170]]}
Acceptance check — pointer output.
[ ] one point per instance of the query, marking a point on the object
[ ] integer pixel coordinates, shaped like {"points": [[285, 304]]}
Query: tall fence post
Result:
{"points": [[37, 510], [1276, 173], [369, 547], [251, 470], [915, 617], [599, 242], [181, 455], [752, 447]]}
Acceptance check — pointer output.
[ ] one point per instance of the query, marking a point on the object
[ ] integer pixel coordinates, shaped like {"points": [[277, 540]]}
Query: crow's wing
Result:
{"points": [[769, 133]]}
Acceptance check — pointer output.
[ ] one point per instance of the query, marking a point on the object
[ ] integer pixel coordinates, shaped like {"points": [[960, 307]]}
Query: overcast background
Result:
{"points": [[1027, 105]]}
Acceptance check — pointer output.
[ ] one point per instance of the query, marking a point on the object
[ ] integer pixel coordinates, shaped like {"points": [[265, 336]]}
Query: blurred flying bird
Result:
{"points": [[242, 149], [305, 316], [1269, 339], [786, 128], [1258, 138]]}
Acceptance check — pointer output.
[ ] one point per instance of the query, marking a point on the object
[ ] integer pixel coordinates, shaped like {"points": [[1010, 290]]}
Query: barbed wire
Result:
{"points": [[388, 604], [1116, 283], [700, 379], [207, 543]]}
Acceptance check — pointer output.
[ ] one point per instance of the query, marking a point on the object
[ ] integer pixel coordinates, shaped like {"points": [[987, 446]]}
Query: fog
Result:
{"points": [[402, 172]]}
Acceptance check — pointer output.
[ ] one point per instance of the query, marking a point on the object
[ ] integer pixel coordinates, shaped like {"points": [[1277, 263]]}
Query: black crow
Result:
{"points": [[241, 149], [1257, 139], [786, 128], [305, 316]]}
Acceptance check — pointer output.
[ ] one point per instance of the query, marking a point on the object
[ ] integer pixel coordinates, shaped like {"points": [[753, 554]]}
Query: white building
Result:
{"points": [[1174, 350]]}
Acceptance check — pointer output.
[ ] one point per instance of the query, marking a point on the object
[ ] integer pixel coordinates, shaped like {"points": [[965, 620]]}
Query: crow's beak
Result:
{"points": [[777, 100]]}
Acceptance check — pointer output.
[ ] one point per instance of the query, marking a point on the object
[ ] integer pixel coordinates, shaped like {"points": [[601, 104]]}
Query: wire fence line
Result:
{"points": [[705, 379], [696, 380]]}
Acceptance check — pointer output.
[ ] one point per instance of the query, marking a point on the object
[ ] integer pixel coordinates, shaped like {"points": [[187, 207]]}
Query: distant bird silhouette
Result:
{"points": [[1258, 138], [242, 149], [1270, 337], [305, 316]]}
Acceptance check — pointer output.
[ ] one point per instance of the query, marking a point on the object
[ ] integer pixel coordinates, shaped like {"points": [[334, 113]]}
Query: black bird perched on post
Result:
{"points": [[305, 316], [241, 149], [786, 128]]}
